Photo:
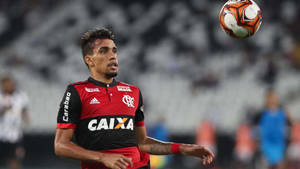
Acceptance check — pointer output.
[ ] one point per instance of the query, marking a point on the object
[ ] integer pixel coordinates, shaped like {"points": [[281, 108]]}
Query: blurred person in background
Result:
{"points": [[293, 151], [273, 125], [106, 117], [206, 135], [244, 147], [13, 112]]}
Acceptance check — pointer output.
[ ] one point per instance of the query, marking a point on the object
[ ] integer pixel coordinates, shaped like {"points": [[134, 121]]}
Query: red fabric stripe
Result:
{"points": [[85, 116], [66, 125], [145, 157], [139, 123], [139, 159], [175, 148]]}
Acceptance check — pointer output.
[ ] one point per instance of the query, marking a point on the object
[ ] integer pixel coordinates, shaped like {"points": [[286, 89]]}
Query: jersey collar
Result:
{"points": [[98, 83]]}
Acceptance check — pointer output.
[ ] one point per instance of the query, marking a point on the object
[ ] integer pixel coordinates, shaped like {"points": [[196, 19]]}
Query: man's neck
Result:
{"points": [[102, 78], [272, 107]]}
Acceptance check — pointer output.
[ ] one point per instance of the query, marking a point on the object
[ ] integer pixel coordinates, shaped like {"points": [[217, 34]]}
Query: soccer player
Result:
{"points": [[273, 123], [13, 112], [106, 117]]}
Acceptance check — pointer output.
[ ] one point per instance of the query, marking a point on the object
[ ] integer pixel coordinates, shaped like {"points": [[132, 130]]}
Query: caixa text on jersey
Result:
{"points": [[115, 123]]}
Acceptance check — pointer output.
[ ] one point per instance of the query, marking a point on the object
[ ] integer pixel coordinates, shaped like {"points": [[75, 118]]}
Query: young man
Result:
{"points": [[273, 123], [13, 112], [106, 117]]}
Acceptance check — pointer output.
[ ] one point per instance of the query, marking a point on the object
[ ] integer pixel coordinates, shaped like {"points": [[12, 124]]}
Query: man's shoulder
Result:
{"points": [[79, 83]]}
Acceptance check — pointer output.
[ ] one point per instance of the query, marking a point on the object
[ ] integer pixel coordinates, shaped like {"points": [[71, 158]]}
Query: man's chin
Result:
{"points": [[111, 75]]}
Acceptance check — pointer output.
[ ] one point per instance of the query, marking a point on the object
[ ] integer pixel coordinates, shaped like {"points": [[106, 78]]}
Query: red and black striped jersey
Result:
{"points": [[104, 117]]}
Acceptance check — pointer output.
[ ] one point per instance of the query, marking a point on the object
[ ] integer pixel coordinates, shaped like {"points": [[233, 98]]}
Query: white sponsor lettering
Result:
{"points": [[109, 124], [92, 89], [129, 101], [92, 125], [112, 123], [102, 125], [124, 88], [130, 125], [121, 122], [66, 107]]}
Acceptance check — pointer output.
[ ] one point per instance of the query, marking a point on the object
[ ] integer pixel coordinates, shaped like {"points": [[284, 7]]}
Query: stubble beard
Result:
{"points": [[109, 75]]}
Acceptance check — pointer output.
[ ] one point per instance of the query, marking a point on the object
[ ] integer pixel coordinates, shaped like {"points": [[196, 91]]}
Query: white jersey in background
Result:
{"points": [[11, 121]]}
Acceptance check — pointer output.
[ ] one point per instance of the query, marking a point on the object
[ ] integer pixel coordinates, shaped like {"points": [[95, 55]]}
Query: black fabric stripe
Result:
{"points": [[71, 114], [105, 139], [98, 83], [80, 83]]}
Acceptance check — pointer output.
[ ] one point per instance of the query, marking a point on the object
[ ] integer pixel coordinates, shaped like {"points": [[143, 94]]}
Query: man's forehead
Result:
{"points": [[98, 43]]}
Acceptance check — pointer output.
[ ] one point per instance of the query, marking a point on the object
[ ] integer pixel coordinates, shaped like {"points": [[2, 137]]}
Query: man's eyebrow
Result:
{"points": [[103, 47], [107, 47]]}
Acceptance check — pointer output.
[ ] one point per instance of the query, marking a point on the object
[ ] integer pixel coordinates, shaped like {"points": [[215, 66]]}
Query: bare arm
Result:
{"points": [[156, 147], [64, 147], [151, 145], [25, 116]]}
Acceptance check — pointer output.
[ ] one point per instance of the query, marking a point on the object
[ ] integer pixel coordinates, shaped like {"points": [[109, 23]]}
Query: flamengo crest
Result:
{"points": [[129, 101]]}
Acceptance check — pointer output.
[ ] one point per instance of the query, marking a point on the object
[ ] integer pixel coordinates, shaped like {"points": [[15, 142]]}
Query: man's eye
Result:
{"points": [[114, 50], [103, 50]]}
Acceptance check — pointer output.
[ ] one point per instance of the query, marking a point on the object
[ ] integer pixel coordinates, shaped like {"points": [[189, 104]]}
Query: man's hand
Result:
{"points": [[4, 109], [197, 151], [116, 161]]}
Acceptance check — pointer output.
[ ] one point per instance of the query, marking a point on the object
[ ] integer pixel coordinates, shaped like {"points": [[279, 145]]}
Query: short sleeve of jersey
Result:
{"points": [[70, 109], [139, 114]]}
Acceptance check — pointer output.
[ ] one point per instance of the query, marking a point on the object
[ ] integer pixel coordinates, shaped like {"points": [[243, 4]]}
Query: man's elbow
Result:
{"points": [[58, 149], [144, 148]]}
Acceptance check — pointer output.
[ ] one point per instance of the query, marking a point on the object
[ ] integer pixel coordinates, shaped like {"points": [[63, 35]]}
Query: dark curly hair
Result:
{"points": [[88, 38]]}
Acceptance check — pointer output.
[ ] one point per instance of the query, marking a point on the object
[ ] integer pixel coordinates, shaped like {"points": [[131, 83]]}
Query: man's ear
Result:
{"points": [[89, 60]]}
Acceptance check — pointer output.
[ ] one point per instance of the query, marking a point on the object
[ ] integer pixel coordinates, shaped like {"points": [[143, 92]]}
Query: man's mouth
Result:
{"points": [[113, 65]]}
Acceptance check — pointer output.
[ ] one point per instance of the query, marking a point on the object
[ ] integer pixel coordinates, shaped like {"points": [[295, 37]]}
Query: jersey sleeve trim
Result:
{"points": [[139, 123], [139, 113], [66, 125], [70, 107]]}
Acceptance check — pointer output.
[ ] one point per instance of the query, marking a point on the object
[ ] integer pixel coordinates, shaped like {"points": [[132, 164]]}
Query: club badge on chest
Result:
{"points": [[128, 100]]}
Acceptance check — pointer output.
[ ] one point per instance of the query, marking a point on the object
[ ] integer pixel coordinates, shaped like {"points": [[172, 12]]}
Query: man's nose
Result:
{"points": [[112, 55]]}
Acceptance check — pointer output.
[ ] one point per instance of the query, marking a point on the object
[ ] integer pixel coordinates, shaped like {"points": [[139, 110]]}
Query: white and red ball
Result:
{"points": [[240, 18]]}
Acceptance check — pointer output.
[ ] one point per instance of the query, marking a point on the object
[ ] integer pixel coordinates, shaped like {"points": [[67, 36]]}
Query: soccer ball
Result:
{"points": [[240, 18]]}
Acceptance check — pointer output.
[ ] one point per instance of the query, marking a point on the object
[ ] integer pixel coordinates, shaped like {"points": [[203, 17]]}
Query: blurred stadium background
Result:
{"points": [[188, 69]]}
